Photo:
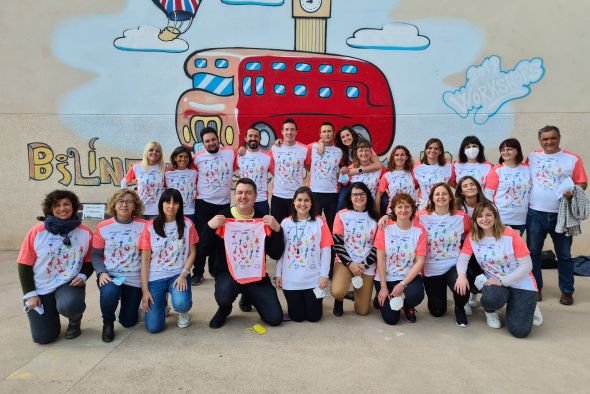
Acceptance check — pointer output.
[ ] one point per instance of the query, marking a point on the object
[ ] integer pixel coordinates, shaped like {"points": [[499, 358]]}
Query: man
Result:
{"points": [[214, 167], [256, 164], [261, 293], [549, 167], [290, 160]]}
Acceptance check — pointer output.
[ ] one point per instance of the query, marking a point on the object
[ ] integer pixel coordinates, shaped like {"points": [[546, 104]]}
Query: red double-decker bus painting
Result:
{"points": [[234, 88]]}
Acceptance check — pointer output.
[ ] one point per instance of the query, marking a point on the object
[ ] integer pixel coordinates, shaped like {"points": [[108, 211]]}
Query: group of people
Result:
{"points": [[408, 230]]}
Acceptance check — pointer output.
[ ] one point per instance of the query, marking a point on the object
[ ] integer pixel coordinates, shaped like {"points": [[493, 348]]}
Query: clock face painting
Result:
{"points": [[310, 5]]}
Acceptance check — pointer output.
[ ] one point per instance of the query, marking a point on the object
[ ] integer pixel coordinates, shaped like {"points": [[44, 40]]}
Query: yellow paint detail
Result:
{"points": [[19, 375], [186, 134], [205, 120], [229, 135]]}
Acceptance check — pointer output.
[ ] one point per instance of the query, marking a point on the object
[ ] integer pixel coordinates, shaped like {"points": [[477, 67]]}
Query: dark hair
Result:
{"points": [[52, 198], [289, 120], [547, 129], [247, 181], [452, 203], [460, 197], [370, 207], [512, 143], [326, 123], [343, 148], [409, 163], [361, 143], [160, 220], [441, 158], [402, 197], [179, 150], [471, 139], [313, 211], [207, 130]]}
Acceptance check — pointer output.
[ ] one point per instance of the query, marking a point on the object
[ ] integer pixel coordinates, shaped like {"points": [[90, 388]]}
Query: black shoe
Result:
{"points": [[108, 331], [197, 280], [376, 303], [539, 296], [349, 295], [244, 304], [73, 330], [461, 317], [218, 319], [409, 315], [338, 308]]}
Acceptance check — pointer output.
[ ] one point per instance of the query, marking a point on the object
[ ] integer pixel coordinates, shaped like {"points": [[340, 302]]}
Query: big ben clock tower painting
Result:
{"points": [[311, 17]]}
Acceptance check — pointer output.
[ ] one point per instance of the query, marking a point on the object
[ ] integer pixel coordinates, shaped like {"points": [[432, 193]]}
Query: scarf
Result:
{"points": [[62, 227]]}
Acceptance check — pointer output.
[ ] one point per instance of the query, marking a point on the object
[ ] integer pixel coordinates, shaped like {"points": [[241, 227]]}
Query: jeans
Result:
{"points": [[204, 212], [65, 300], [414, 294], [436, 290], [262, 206], [303, 305], [130, 298], [538, 225], [520, 307], [342, 193], [261, 294], [182, 302], [280, 207]]}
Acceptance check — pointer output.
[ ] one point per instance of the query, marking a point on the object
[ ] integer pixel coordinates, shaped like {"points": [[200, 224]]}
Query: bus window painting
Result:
{"points": [[234, 88]]}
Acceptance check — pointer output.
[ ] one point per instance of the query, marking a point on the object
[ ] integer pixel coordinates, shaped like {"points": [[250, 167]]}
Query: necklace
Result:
{"points": [[299, 236]]}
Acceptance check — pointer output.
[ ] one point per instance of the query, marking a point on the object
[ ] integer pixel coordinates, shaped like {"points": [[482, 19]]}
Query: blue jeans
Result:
{"points": [[155, 319], [130, 297], [538, 225], [342, 193]]}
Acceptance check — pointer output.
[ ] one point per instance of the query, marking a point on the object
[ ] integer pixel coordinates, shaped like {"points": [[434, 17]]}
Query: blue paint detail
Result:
{"points": [[300, 90], [279, 66], [253, 66], [253, 2], [149, 50], [303, 67], [324, 92], [390, 48], [280, 89], [214, 84], [352, 92], [259, 85], [326, 68], [247, 86], [221, 63], [348, 69], [200, 63]]}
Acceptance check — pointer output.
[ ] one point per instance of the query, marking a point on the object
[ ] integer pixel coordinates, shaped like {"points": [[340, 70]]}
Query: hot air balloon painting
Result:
{"points": [[180, 14]]}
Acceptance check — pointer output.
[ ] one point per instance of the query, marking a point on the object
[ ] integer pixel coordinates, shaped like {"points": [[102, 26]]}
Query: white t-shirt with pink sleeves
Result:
{"points": [[427, 175], [54, 263], [150, 185], [477, 170], [397, 181], [256, 166], [185, 181], [120, 242], [498, 258], [324, 169], [169, 253], [358, 231], [444, 240], [509, 188], [371, 179], [548, 171], [215, 172], [301, 266], [401, 248], [290, 162]]}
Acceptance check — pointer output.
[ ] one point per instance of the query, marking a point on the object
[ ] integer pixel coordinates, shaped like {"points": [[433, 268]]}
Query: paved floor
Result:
{"points": [[347, 354]]}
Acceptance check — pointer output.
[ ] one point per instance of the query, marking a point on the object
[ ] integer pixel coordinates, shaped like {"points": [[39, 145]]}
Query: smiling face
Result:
{"points": [[486, 220], [327, 134], [399, 159], [433, 151], [245, 198], [346, 138], [124, 207], [358, 197], [289, 133], [441, 198], [302, 204], [549, 141], [509, 154], [182, 160], [153, 155], [63, 209], [253, 139], [403, 211], [364, 155], [211, 142], [469, 188]]}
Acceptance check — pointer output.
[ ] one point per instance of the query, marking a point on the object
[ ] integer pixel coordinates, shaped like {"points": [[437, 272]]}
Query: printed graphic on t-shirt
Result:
{"points": [[244, 247], [493, 259], [168, 251], [547, 172], [301, 247], [371, 179], [185, 182], [149, 186], [289, 166], [325, 167], [444, 240], [358, 236], [64, 260], [517, 184], [123, 252], [214, 172]]}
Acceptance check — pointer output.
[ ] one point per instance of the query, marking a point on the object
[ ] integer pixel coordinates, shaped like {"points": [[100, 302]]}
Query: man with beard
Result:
{"points": [[214, 167], [256, 164]]}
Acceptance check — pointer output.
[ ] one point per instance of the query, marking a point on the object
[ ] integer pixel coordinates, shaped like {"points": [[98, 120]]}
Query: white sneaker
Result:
{"points": [[468, 310], [167, 311], [493, 320], [537, 317], [473, 302], [184, 320]]}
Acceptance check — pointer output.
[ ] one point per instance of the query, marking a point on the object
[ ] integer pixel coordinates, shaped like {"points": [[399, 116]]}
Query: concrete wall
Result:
{"points": [[86, 84]]}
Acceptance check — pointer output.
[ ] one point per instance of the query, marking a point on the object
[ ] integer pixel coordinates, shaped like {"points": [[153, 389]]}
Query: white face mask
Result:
{"points": [[471, 153]]}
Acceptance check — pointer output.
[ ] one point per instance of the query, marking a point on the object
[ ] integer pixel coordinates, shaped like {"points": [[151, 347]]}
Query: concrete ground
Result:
{"points": [[347, 354]]}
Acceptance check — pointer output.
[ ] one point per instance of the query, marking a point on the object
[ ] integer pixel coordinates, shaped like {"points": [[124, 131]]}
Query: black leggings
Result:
{"points": [[414, 294], [436, 290], [204, 212], [473, 271], [303, 305]]}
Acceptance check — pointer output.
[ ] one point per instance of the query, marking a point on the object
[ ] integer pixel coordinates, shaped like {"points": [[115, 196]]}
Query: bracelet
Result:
{"points": [[185, 271], [404, 284]]}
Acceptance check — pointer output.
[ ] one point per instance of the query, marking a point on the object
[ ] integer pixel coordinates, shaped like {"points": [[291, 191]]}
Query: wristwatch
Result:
{"points": [[360, 169], [404, 283], [185, 271]]}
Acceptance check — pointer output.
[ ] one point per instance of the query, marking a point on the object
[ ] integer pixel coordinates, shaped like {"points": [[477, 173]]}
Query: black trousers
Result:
{"points": [[204, 212], [303, 305], [436, 290], [414, 294], [280, 207]]}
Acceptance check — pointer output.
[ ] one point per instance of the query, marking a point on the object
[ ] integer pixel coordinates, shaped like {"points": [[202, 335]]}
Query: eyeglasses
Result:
{"points": [[125, 202], [358, 195]]}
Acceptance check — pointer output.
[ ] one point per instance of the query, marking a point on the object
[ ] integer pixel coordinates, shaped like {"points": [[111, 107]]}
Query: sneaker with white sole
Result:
{"points": [[493, 320], [473, 302], [461, 317], [184, 320], [468, 310], [537, 317]]}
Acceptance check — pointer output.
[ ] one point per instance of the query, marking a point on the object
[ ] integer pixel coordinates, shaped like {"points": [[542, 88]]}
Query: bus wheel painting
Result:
{"points": [[362, 132], [235, 88]]}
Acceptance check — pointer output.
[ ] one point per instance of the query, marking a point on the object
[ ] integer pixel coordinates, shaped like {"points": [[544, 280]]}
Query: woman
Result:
{"points": [[168, 252], [398, 178], [117, 261], [354, 233], [54, 264], [431, 169], [305, 263], [401, 248], [361, 160], [508, 185], [183, 177], [149, 175], [446, 228], [506, 263], [472, 160]]}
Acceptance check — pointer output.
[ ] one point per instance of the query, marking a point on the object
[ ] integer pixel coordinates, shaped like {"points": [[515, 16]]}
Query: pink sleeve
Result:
{"points": [[467, 248], [466, 223], [326, 235], [145, 242], [236, 164], [492, 179], [88, 257], [579, 175], [220, 231], [382, 184], [338, 227], [130, 177], [379, 239], [307, 162], [193, 238], [271, 166], [519, 246], [97, 240], [421, 247], [452, 180], [27, 254]]}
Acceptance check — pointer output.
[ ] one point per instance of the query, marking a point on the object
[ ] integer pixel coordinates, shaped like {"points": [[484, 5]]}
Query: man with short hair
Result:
{"points": [[549, 168], [260, 292], [215, 166]]}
